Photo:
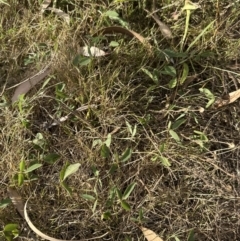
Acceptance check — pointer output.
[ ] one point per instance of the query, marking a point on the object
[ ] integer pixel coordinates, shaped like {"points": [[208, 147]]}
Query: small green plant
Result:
{"points": [[10, 231], [67, 170], [209, 95], [122, 197], [26, 173]]}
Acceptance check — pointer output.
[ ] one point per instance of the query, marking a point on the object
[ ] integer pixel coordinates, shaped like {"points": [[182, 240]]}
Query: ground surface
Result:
{"points": [[133, 130]]}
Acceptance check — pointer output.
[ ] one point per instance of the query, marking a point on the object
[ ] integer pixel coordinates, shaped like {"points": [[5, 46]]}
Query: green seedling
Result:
{"points": [[210, 96], [172, 133], [26, 173], [113, 15], [10, 231], [159, 156], [122, 197], [105, 146], [131, 130], [39, 141], [153, 75], [67, 170], [189, 7], [201, 139]]}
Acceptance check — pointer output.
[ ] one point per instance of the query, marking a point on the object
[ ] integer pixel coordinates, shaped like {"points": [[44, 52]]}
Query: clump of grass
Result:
{"points": [[144, 151]]}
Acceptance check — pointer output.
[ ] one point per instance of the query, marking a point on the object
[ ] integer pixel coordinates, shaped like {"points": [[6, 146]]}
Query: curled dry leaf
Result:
{"points": [[150, 235], [165, 30], [29, 83], [61, 14], [227, 99], [92, 51], [117, 29], [45, 5]]}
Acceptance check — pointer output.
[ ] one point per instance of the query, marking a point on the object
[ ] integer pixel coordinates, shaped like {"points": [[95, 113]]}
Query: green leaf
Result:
{"points": [[22, 166], [173, 54], [72, 168], [63, 170], [184, 74], [111, 14], [128, 191], [129, 127], [10, 227], [172, 83], [8, 235], [20, 179], [67, 188], [165, 161], [4, 203], [153, 76], [119, 194], [210, 102], [190, 6], [105, 151], [134, 130], [33, 167], [88, 197], [202, 135], [178, 123], [94, 206], [113, 168], [126, 155], [207, 93], [108, 141], [51, 158], [191, 236], [114, 44], [174, 135], [162, 147], [39, 140], [125, 205], [81, 60], [169, 70], [106, 215]]}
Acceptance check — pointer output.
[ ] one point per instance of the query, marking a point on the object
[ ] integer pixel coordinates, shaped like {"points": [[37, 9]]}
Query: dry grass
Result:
{"points": [[199, 191]]}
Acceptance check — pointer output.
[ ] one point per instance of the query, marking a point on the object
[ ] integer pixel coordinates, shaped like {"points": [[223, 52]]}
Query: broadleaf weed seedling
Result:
{"points": [[67, 170], [10, 231], [26, 173]]}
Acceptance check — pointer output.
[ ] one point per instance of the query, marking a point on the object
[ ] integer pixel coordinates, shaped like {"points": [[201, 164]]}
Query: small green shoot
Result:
{"points": [[184, 74], [126, 155], [210, 96], [189, 6], [10, 231], [171, 71], [122, 197], [105, 151], [115, 16], [67, 170], [131, 130], [24, 173], [174, 135], [128, 191], [153, 75], [40, 141]]}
